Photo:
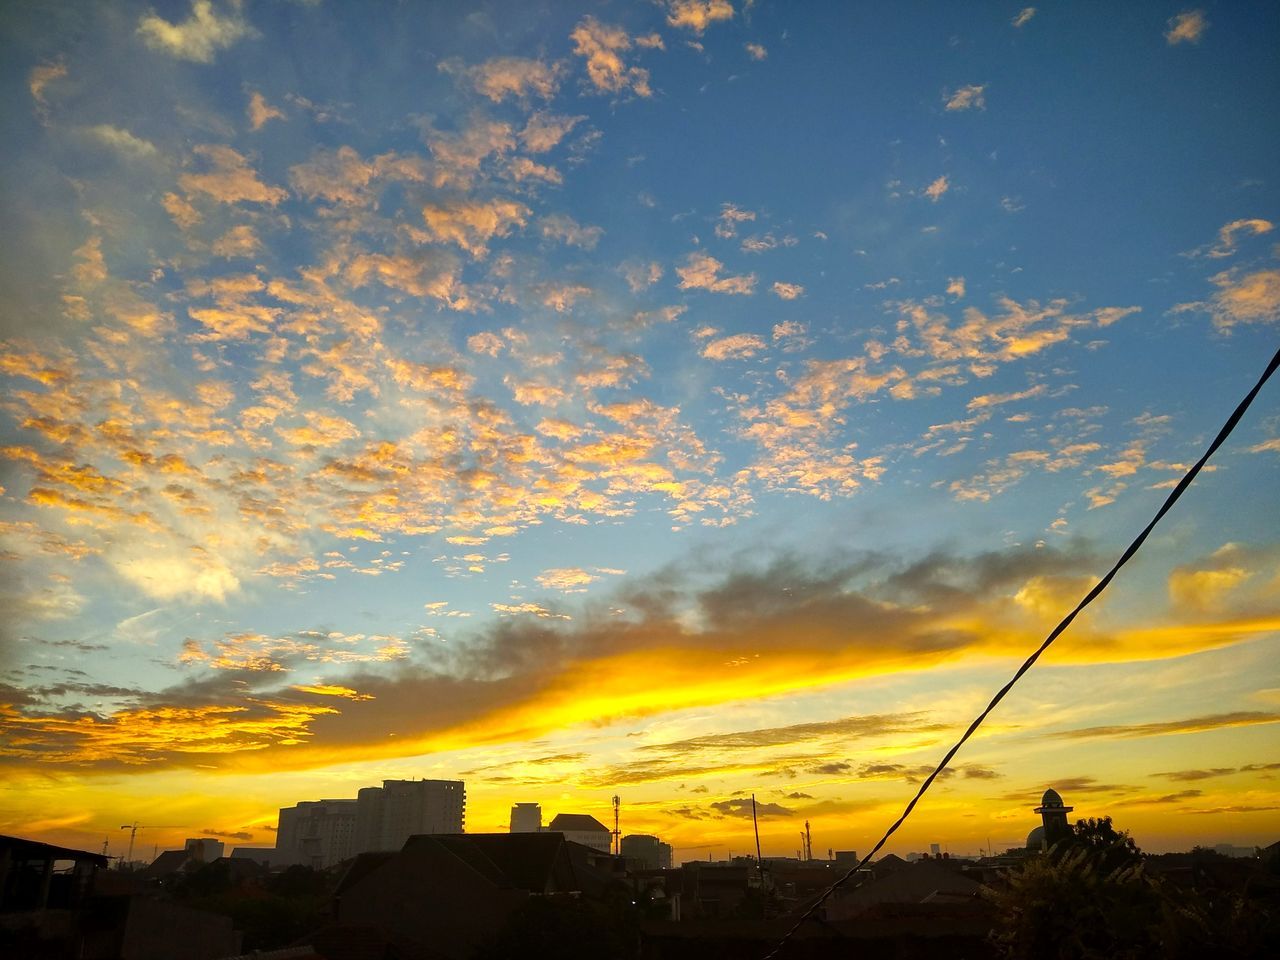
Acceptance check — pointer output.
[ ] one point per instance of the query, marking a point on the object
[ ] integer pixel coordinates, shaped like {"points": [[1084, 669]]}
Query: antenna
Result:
{"points": [[808, 842], [617, 834], [756, 825]]}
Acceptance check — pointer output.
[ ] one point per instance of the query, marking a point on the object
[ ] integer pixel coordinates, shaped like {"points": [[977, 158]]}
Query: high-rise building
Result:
{"points": [[389, 815], [526, 818], [204, 849], [317, 833], [650, 852]]}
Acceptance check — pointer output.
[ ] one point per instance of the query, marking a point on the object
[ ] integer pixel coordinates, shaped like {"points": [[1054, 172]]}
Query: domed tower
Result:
{"points": [[1054, 814]]}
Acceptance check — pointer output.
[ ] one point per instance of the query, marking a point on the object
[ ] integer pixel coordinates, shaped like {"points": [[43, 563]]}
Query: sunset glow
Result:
{"points": [[674, 399]]}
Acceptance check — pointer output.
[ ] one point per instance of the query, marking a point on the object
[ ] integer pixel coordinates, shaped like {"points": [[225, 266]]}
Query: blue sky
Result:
{"points": [[674, 398]]}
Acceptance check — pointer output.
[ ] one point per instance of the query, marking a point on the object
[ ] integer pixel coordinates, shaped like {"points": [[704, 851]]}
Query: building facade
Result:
{"points": [[204, 849], [316, 833], [584, 829], [526, 818], [650, 852], [389, 815]]}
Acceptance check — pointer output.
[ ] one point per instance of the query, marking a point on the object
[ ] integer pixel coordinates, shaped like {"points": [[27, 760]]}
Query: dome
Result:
{"points": [[1035, 839], [1051, 799]]}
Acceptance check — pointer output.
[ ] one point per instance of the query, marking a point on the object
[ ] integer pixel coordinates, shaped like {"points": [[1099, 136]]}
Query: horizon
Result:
{"points": [[678, 399]]}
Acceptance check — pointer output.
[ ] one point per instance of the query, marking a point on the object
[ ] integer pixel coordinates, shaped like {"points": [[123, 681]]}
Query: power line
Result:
{"points": [[1027, 664]]}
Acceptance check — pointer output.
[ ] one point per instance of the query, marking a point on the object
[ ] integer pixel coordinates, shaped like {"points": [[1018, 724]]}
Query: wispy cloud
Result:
{"points": [[1187, 27], [200, 36], [970, 97], [603, 46], [697, 15]]}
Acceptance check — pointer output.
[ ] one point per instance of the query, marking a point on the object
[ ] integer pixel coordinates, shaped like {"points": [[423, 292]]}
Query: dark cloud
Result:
{"points": [[742, 808], [831, 609], [980, 773], [1254, 767], [1187, 776], [238, 835], [871, 725], [1234, 809], [1066, 786], [799, 796], [1217, 721], [831, 768]]}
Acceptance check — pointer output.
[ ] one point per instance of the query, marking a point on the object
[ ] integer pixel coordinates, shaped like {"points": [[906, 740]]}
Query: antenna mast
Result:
{"points": [[617, 834]]}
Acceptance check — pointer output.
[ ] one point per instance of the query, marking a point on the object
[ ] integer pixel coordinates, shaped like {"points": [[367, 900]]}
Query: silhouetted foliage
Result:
{"points": [[271, 912], [560, 928], [757, 904], [1115, 848], [1066, 907], [299, 881], [1092, 899]]}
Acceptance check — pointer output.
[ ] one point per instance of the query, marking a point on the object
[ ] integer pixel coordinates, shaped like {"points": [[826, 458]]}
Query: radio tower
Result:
{"points": [[617, 834]]}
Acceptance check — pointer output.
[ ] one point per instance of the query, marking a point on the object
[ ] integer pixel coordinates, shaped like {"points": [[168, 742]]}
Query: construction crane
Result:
{"points": [[133, 829]]}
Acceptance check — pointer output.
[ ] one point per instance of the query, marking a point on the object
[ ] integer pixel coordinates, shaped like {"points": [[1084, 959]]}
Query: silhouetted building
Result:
{"points": [[204, 849], [48, 913], [1053, 812], [649, 852], [389, 815], [924, 882], [443, 896], [526, 818], [317, 833], [584, 829]]}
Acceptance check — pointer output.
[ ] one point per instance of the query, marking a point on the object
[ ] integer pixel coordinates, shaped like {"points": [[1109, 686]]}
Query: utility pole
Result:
{"points": [[617, 834]]}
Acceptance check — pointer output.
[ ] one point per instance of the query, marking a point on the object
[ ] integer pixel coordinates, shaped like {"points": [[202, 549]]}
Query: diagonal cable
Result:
{"points": [[1027, 664]]}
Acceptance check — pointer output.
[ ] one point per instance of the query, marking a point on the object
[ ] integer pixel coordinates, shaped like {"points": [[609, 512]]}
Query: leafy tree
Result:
{"points": [[1092, 899], [562, 928], [1068, 907], [1115, 848]]}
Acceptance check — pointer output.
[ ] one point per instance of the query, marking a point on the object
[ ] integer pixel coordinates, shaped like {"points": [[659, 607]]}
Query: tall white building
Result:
{"points": [[388, 815], [316, 833], [526, 818]]}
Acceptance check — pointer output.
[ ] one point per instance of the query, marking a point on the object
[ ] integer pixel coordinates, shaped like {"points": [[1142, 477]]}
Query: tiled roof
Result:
{"points": [[577, 822]]}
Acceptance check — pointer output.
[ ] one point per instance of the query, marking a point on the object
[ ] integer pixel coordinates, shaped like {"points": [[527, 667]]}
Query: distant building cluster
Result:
{"points": [[648, 852], [428, 889]]}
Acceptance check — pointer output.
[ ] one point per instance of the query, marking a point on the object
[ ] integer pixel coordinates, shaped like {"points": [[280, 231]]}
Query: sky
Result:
{"points": [[675, 399]]}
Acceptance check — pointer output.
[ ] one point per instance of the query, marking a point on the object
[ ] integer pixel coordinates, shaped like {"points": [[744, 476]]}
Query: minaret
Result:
{"points": [[1054, 814]]}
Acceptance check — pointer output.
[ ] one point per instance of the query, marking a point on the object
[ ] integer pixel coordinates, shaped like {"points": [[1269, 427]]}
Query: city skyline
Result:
{"points": [[678, 400]]}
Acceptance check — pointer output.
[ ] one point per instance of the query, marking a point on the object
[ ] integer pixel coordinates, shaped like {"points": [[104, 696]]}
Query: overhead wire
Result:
{"points": [[1170, 500]]}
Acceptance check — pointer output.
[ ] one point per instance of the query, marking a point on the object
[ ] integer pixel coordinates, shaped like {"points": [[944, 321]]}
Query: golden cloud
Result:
{"points": [[602, 46], [229, 178], [471, 224], [1187, 27], [969, 97], [701, 271], [199, 37], [697, 15]]}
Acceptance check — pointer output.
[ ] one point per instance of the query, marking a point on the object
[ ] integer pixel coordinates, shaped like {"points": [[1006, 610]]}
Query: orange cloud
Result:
{"points": [[697, 15], [701, 271], [229, 178], [472, 224], [602, 47], [969, 97]]}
